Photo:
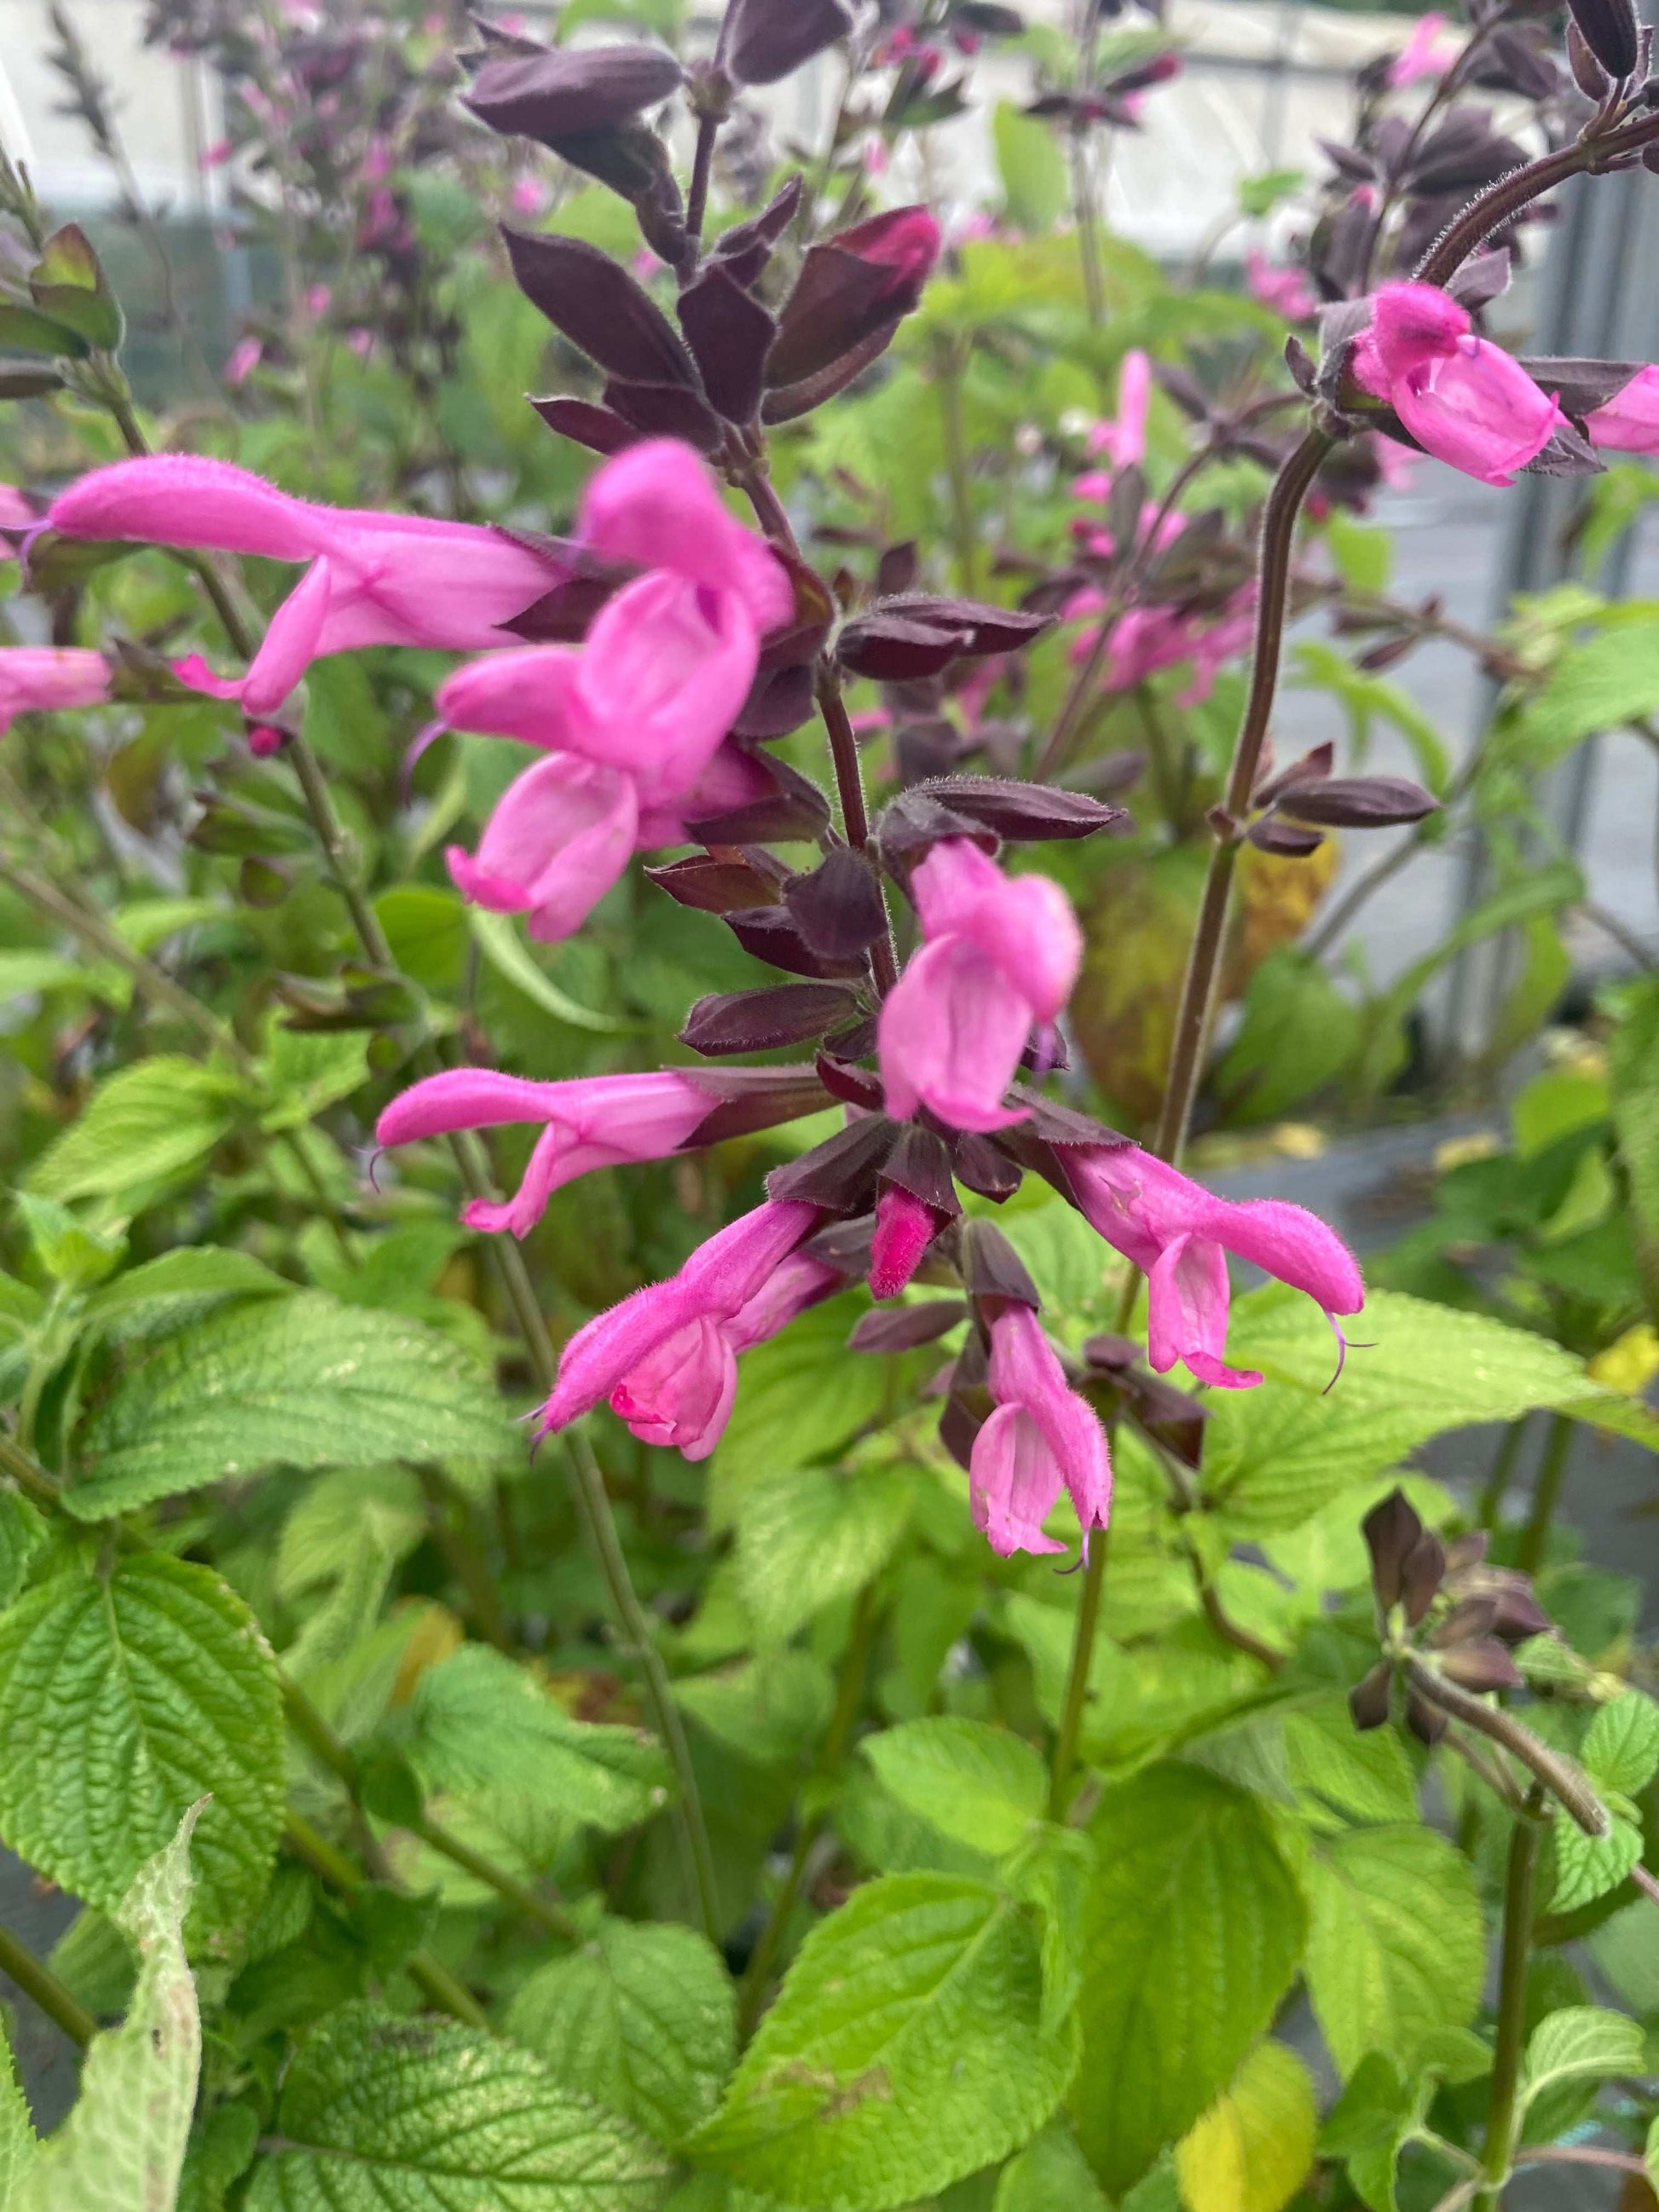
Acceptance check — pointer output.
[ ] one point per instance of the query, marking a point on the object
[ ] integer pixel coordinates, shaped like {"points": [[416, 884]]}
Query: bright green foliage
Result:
{"points": [[17, 2133], [1619, 1753], [1396, 1946], [122, 2147], [299, 1381], [389, 2115], [150, 1121], [22, 1532], [1192, 1931], [980, 1785], [482, 1723], [904, 2052], [1051, 2174], [640, 2019], [1581, 2043], [811, 1535], [129, 1695]]}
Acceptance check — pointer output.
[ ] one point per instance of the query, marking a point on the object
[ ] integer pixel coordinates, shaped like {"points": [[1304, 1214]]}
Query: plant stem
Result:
{"points": [[451, 1520], [542, 1910], [1564, 1781], [1512, 2003], [1546, 1494], [1500, 202], [697, 203], [1085, 209], [1496, 1486], [949, 361], [445, 1990], [1289, 489], [1077, 1682], [38, 1981], [849, 1694]]}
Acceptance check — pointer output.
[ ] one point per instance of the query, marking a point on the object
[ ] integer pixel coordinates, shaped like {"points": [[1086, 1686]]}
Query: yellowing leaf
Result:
{"points": [[1630, 1361], [1252, 2148]]}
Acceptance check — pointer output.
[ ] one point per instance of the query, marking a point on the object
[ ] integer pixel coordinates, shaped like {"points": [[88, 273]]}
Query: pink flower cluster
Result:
{"points": [[1462, 397]]}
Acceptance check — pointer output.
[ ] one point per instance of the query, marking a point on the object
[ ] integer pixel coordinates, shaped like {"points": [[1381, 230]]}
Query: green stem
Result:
{"points": [[850, 1695], [1493, 1491], [542, 1910], [435, 1981], [1565, 1782], [1546, 1495], [1077, 1682], [449, 1517], [948, 362], [38, 1981], [1518, 1885]]}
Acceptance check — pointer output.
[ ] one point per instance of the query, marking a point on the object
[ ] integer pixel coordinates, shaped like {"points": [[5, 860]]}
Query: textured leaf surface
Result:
{"points": [[641, 2019], [1577, 2044], [809, 1537], [122, 2147], [22, 1532], [1620, 1749], [16, 2131], [980, 1785], [1192, 1931], [482, 1723], [1251, 2150], [382, 2114], [764, 1710], [904, 2051], [1396, 1948], [149, 1120], [127, 1698], [1049, 2175], [299, 1382], [799, 1397]]}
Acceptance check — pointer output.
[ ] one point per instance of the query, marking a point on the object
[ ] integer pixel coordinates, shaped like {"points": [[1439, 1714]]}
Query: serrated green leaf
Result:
{"points": [[800, 1397], [1194, 1930], [1366, 1777], [383, 2114], [980, 1785], [809, 1537], [299, 1381], [481, 1722], [123, 2145], [902, 2052], [17, 2143], [1049, 2175], [1587, 1867], [1251, 2151], [643, 2020], [128, 1696], [1396, 1948], [1580, 2043], [320, 1534], [71, 1253], [149, 1120], [307, 1070], [22, 1532], [1620, 1749], [766, 1711], [181, 1284]]}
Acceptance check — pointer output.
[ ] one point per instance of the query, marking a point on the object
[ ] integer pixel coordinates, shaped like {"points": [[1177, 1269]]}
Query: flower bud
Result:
{"points": [[764, 40], [1608, 28]]}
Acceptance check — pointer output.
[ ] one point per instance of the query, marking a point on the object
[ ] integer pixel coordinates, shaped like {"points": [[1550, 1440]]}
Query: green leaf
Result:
{"points": [[1396, 1947], [1596, 684], [308, 1070], [1298, 1031], [123, 2145], [128, 1696], [765, 1709], [1259, 196], [1587, 1867], [902, 2052], [1367, 695], [71, 1253], [24, 973], [1367, 1777], [1194, 1930], [383, 2114], [980, 1785], [1251, 2151], [1362, 553], [22, 1532], [1029, 161], [17, 2143], [297, 1382], [147, 1122], [181, 1284], [26, 330], [1049, 2175], [800, 1398], [1577, 2044], [806, 1538], [1620, 1749], [481, 1722], [508, 955], [641, 2019]]}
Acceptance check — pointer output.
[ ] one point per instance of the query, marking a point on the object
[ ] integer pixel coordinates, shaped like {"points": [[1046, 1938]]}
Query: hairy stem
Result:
{"points": [[697, 204], [38, 1981], [1518, 1885], [1490, 210], [1564, 1781], [1077, 1681]]}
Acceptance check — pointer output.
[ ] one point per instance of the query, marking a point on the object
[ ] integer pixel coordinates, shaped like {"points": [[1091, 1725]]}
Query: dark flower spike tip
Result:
{"points": [[840, 1174], [1390, 1529], [1421, 1572], [906, 1328], [993, 1270], [762, 41], [1610, 29], [1368, 1701], [761, 1021]]}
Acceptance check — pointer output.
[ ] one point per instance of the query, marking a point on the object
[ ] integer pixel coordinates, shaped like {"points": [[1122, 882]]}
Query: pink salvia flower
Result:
{"points": [[1430, 51], [1041, 1439], [38, 679], [1462, 398], [657, 504], [593, 1122], [905, 1227], [559, 838], [999, 955], [15, 514], [243, 359], [715, 1284], [1285, 290], [1122, 438], [1179, 1234], [374, 579], [1629, 423]]}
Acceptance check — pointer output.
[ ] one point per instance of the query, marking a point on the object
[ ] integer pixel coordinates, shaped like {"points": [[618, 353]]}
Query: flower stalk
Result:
{"points": [[1519, 1883]]}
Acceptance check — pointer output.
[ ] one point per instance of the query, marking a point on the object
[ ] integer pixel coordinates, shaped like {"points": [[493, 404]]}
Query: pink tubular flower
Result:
{"points": [[37, 679], [243, 359], [1285, 290], [715, 1284], [1122, 438], [1430, 51], [1000, 955], [1041, 1437], [1179, 1233], [905, 1227], [594, 1121], [1462, 398], [657, 504], [15, 514], [372, 579], [1629, 423], [561, 835]]}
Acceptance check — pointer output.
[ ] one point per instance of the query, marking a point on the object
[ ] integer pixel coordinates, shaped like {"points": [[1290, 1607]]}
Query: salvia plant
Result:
{"points": [[647, 1557]]}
